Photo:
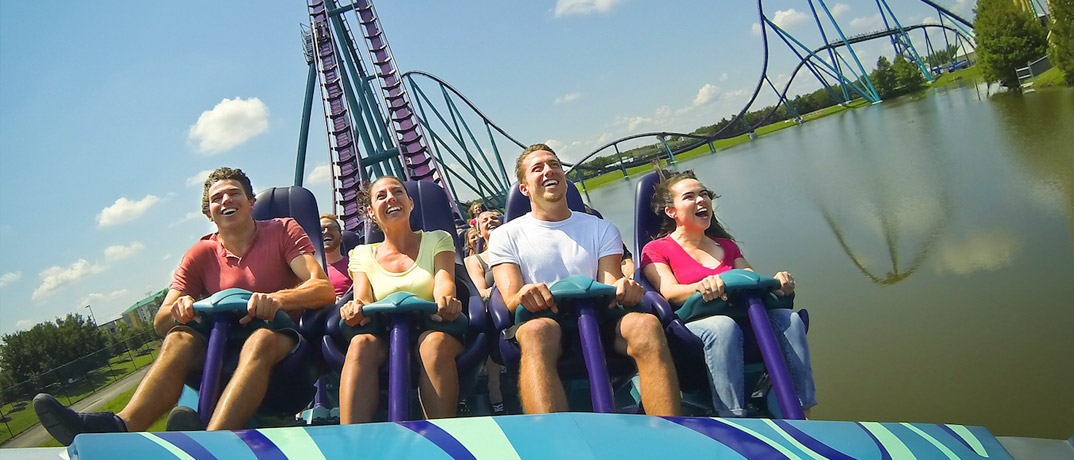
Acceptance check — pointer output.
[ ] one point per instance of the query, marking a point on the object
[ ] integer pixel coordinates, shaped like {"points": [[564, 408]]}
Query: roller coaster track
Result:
{"points": [[735, 127]]}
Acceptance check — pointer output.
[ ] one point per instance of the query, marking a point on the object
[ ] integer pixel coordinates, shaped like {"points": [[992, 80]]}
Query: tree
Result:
{"points": [[1007, 38], [49, 345], [907, 75], [884, 78], [1061, 48]]}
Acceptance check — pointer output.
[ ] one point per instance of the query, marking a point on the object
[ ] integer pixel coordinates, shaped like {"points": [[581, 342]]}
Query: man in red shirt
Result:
{"points": [[274, 259]]}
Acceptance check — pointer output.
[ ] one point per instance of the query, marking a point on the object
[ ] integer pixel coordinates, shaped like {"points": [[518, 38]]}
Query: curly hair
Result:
{"points": [[225, 173], [663, 198]]}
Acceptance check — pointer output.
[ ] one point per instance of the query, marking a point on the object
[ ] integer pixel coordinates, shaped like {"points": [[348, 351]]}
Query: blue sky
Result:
{"points": [[111, 112]]}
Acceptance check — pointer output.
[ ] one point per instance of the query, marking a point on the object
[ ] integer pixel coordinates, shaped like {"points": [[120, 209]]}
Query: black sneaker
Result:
{"points": [[63, 423], [183, 418]]}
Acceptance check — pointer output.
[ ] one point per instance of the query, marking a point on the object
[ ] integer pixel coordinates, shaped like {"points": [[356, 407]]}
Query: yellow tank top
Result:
{"points": [[417, 280]]}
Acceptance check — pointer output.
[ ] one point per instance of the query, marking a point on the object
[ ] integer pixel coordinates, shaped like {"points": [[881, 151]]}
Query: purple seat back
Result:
{"points": [[297, 203], [519, 204], [646, 222], [351, 240]]}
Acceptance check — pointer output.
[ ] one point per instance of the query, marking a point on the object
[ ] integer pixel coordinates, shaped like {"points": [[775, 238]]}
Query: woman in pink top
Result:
{"points": [[689, 259]]}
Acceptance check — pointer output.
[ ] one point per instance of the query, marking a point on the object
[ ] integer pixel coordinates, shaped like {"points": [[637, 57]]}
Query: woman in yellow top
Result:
{"points": [[422, 263]]}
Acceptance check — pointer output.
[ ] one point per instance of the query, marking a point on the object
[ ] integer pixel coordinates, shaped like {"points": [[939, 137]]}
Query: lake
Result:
{"points": [[932, 238]]}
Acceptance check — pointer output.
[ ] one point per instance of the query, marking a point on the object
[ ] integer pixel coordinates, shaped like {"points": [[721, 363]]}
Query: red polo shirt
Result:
{"points": [[208, 267]]}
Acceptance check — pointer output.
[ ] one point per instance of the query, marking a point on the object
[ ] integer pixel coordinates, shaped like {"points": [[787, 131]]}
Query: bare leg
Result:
{"points": [[538, 381], [640, 336], [438, 381], [359, 381], [181, 353], [243, 394]]}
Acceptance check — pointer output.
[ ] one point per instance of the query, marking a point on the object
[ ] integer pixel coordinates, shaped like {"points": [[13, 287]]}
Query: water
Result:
{"points": [[932, 238]]}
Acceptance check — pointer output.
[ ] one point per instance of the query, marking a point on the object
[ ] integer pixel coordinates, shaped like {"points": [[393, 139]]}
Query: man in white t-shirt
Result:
{"points": [[551, 243]]}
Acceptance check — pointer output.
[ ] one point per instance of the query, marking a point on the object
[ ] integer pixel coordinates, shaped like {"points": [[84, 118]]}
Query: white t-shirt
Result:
{"points": [[550, 251]]}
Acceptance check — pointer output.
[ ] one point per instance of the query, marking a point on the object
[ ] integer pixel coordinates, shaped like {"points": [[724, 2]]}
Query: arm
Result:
{"points": [[610, 271], [786, 281], [448, 307], [175, 307], [473, 268], [533, 297], [351, 312], [314, 292]]}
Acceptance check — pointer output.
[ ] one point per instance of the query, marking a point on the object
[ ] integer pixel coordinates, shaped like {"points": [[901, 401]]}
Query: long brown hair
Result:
{"points": [[662, 198]]}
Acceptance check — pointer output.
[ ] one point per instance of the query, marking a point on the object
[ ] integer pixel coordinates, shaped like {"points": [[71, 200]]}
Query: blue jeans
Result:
{"points": [[723, 356]]}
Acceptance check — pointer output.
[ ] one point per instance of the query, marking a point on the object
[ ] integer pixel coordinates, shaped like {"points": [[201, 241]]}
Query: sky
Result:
{"points": [[112, 113]]}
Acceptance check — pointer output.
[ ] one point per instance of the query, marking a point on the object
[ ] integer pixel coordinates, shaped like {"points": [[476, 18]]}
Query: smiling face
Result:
{"points": [[228, 203], [691, 204], [545, 180], [389, 202], [486, 223], [331, 234]]}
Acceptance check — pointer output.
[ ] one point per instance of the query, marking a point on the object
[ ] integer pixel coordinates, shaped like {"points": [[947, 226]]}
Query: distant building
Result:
{"points": [[112, 326], [143, 311]]}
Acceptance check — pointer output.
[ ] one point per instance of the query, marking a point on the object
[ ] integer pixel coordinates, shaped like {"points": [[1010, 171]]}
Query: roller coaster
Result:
{"points": [[415, 125]]}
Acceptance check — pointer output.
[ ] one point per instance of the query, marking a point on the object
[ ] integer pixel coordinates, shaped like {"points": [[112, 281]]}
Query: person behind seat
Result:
{"points": [[690, 256], [552, 243], [478, 268], [477, 265], [421, 263], [337, 262], [272, 258]]}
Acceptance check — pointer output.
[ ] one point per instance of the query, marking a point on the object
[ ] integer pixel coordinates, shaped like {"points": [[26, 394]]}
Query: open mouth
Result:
{"points": [[328, 240], [550, 183], [393, 210], [227, 211], [703, 212]]}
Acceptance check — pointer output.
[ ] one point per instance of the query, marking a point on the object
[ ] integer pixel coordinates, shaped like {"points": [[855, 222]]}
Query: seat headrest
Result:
{"points": [[297, 203], [646, 222], [519, 204]]}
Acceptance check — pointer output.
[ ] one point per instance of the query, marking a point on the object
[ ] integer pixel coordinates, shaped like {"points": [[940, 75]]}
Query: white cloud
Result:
{"points": [[555, 144], [723, 76], [755, 30], [839, 9], [192, 215], [583, 7], [567, 98], [230, 123], [98, 297], [706, 94], [321, 174], [124, 210], [119, 252], [930, 20], [984, 251], [789, 18], [56, 276], [23, 324], [198, 180], [9, 278], [867, 23], [964, 8]]}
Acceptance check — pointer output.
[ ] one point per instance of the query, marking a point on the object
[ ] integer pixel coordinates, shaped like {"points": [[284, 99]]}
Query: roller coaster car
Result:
{"points": [[608, 376], [747, 293], [432, 211], [222, 310]]}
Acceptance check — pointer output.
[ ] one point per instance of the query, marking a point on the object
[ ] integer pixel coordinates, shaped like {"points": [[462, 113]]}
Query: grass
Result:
{"points": [[24, 417], [958, 75], [717, 145], [117, 405], [1052, 77]]}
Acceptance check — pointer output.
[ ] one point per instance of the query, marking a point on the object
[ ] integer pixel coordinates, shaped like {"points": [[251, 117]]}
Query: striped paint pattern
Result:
{"points": [[574, 435]]}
